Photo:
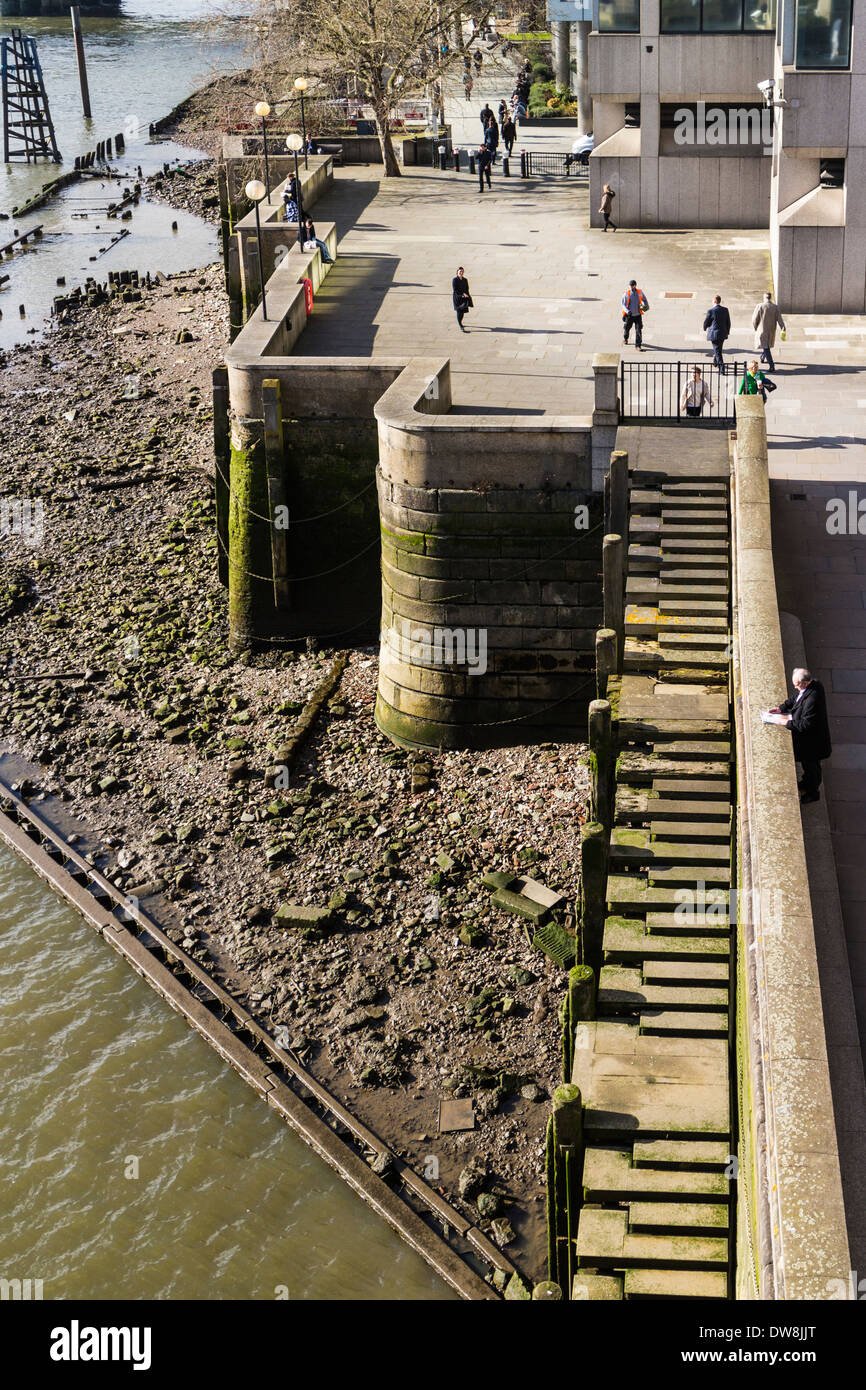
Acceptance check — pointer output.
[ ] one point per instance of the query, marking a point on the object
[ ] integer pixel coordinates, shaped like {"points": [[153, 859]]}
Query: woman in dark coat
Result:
{"points": [[460, 297]]}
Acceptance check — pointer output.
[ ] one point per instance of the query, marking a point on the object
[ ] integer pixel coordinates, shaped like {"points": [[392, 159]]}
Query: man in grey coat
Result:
{"points": [[765, 320]]}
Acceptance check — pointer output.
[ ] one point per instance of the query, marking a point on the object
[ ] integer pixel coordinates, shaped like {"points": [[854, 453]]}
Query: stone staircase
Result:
{"points": [[653, 1068]]}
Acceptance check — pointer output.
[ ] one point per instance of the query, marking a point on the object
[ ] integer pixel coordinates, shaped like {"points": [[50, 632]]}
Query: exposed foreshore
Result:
{"points": [[408, 987]]}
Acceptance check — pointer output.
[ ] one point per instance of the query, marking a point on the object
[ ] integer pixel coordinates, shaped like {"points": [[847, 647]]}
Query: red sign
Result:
{"points": [[308, 295]]}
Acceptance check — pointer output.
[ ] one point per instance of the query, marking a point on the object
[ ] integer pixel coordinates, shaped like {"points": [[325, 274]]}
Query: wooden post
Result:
{"points": [[277, 497], [618, 521], [82, 62], [605, 659], [222, 462], [567, 1125], [614, 597], [601, 763], [593, 890]]}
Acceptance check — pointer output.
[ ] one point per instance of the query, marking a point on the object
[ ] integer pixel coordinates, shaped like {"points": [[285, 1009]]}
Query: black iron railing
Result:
{"points": [[559, 165], [652, 391]]}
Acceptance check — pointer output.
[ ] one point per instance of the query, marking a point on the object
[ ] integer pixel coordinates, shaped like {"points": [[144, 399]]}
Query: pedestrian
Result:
{"points": [[810, 730], [491, 136], [503, 112], [467, 85], [509, 134], [486, 113], [460, 297], [477, 60], [755, 383], [765, 320], [310, 241], [607, 198], [292, 200], [484, 159], [634, 306], [695, 393], [717, 322]]}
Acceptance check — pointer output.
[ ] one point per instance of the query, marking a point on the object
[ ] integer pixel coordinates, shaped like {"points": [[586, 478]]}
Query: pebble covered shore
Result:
{"points": [[343, 900]]}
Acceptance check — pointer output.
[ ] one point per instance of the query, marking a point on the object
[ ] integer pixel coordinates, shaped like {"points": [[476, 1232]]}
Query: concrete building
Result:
{"points": [[739, 113]]}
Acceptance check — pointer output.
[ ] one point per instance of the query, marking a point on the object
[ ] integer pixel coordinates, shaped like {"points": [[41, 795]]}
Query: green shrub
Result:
{"points": [[542, 72]]}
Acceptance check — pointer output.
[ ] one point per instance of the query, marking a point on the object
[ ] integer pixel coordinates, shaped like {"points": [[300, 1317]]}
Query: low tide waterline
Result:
{"points": [[137, 1165], [141, 64]]}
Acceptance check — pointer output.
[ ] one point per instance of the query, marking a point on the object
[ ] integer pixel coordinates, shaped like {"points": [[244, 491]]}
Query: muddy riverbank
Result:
{"points": [[409, 988]]}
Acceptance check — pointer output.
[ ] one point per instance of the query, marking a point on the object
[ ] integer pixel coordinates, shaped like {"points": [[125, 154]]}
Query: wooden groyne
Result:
{"points": [[459, 1253]]}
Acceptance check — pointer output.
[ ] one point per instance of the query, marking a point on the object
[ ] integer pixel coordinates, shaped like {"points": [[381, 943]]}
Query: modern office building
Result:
{"points": [[739, 113]]}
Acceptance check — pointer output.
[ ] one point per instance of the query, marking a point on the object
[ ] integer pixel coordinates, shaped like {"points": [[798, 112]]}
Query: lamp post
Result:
{"points": [[301, 85], [263, 110], [293, 143], [255, 191]]}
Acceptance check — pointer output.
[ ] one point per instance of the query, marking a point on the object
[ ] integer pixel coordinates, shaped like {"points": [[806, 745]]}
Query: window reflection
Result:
{"points": [[823, 33], [619, 16]]}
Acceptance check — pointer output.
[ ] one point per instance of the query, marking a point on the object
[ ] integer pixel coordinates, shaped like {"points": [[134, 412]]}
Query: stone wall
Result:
{"points": [[791, 1233]]}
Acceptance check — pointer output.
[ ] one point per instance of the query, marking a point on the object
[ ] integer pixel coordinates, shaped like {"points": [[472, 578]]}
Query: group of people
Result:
{"points": [[293, 211]]}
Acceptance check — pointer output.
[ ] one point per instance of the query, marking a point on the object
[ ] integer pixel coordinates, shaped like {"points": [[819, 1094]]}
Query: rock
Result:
{"points": [[296, 915], [532, 1092], [383, 1165], [516, 1290], [445, 862], [494, 879], [489, 1204], [471, 936], [469, 1182], [503, 1232]]}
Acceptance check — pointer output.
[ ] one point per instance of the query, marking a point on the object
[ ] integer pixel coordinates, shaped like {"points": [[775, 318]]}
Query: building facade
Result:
{"points": [[739, 113]]}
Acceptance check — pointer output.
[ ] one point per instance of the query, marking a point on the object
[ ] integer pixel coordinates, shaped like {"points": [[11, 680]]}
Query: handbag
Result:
{"points": [[768, 384], [310, 246]]}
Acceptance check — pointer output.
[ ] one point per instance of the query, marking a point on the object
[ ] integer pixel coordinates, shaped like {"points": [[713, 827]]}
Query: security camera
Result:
{"points": [[766, 89]]}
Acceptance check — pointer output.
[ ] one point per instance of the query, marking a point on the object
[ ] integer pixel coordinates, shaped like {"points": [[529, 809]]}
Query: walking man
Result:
{"points": [[460, 297], [634, 306], [484, 159], [765, 320], [717, 322], [810, 730], [486, 113]]}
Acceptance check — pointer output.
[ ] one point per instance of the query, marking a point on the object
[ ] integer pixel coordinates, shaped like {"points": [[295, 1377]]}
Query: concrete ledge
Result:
{"points": [[792, 1237]]}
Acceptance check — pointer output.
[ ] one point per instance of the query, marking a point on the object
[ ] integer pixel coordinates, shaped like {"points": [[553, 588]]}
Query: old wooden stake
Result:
{"points": [[82, 62]]}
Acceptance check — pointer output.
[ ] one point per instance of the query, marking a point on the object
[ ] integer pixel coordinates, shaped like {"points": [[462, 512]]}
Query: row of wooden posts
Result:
{"points": [[564, 1150]]}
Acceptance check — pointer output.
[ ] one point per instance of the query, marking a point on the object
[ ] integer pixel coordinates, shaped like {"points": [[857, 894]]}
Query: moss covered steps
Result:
{"points": [[653, 1067]]}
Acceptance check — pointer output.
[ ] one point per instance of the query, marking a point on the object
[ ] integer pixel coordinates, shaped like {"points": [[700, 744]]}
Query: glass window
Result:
{"points": [[722, 16], [823, 33], [619, 16], [681, 16]]}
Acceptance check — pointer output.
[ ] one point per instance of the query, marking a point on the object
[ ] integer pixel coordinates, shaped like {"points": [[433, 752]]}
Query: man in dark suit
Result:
{"points": [[807, 720], [717, 323]]}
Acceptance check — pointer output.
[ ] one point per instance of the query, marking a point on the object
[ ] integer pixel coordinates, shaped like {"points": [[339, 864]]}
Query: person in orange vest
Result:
{"points": [[634, 306]]}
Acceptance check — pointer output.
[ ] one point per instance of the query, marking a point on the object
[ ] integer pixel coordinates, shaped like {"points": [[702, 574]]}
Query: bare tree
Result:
{"points": [[385, 49]]}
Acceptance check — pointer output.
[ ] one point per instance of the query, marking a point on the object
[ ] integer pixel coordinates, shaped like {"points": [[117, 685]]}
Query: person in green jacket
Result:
{"points": [[752, 383]]}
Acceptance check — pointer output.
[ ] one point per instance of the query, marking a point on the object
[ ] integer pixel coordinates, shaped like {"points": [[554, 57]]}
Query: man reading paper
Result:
{"points": [[806, 713]]}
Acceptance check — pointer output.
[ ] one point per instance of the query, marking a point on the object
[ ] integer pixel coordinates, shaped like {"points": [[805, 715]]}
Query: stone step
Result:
{"points": [[649, 588], [698, 974], [594, 1288], [710, 917], [609, 1176], [705, 487], [623, 990], [635, 847], [644, 621], [700, 1284], [713, 517], [641, 769], [642, 498], [718, 750], [687, 872], [615, 1066], [639, 804], [684, 1024], [646, 655], [688, 788], [714, 678], [626, 940], [691, 605], [630, 893], [678, 1218], [684, 1154], [605, 1242], [643, 527], [719, 832], [642, 556], [671, 642]]}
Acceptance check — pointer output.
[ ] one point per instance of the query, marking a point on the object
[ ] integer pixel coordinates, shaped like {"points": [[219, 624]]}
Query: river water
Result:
{"points": [[139, 67], [134, 1163]]}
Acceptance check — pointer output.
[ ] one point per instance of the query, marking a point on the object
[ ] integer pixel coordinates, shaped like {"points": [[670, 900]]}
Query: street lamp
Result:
{"points": [[293, 143], [301, 85], [255, 191], [263, 110]]}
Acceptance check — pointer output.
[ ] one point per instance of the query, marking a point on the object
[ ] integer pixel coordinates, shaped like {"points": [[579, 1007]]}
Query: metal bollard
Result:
{"points": [[457, 161], [472, 164], [506, 167], [523, 164], [442, 158]]}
